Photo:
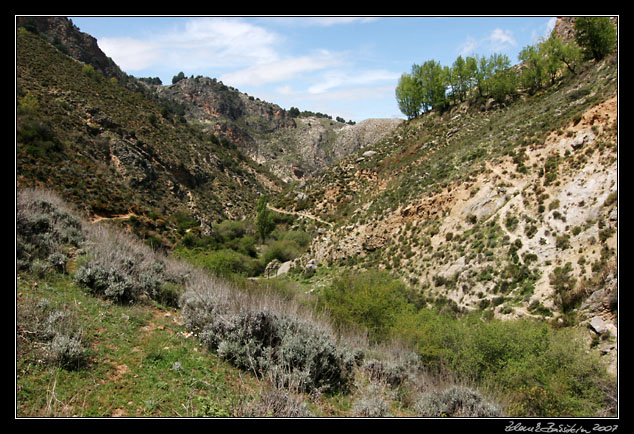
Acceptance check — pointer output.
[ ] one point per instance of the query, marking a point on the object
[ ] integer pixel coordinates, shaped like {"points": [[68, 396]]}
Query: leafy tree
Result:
{"points": [[534, 71], [503, 84], [463, 74], [409, 96], [431, 79], [487, 69], [567, 53], [264, 220], [596, 36]]}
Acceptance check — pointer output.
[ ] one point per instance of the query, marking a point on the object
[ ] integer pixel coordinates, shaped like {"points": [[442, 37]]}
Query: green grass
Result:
{"points": [[141, 361]]}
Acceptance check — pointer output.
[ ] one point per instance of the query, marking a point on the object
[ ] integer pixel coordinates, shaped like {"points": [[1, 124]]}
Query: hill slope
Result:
{"points": [[467, 266], [291, 147], [511, 210], [114, 151]]}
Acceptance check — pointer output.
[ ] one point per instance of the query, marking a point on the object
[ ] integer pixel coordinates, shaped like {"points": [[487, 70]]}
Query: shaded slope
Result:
{"points": [[113, 151]]}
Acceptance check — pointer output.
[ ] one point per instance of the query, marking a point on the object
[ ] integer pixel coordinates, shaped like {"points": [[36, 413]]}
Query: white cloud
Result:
{"points": [[331, 21], [468, 46], [281, 70], [323, 21], [501, 37], [544, 31], [334, 79], [131, 54], [363, 93], [201, 43], [285, 90], [230, 40], [498, 40]]}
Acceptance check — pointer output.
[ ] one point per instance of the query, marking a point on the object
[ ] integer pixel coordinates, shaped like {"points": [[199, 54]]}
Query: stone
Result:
{"points": [[284, 268], [311, 265], [598, 325]]}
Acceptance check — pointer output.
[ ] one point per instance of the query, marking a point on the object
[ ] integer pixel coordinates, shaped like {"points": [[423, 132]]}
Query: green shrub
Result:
{"points": [[292, 353], [288, 350], [389, 372], [372, 300], [68, 351], [119, 267], [301, 238], [372, 402], [276, 402], [230, 229], [52, 329], [223, 262], [282, 250]]}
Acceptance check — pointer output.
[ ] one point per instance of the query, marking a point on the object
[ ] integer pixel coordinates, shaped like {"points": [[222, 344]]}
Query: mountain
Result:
{"points": [[293, 147], [221, 139], [106, 144]]}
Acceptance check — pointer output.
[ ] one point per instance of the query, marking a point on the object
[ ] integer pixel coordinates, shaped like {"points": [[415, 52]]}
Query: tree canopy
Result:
{"points": [[431, 86]]}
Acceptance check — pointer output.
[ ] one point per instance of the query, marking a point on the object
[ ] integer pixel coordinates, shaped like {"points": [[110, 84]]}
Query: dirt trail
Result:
{"points": [[298, 213], [97, 218]]}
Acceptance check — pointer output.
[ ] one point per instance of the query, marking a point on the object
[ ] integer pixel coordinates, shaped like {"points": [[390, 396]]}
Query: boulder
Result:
{"points": [[284, 268], [598, 325]]}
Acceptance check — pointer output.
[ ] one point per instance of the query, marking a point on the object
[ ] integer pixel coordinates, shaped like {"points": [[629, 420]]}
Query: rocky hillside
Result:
{"points": [[292, 148], [400, 277], [67, 37], [510, 209], [115, 151]]}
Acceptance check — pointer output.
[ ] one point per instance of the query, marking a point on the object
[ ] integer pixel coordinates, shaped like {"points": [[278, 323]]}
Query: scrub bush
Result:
{"points": [[45, 230], [291, 351], [120, 268], [456, 401]]}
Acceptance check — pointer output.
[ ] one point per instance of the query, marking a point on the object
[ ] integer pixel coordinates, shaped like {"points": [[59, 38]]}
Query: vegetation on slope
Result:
{"points": [[113, 151], [105, 325], [469, 204], [109, 326]]}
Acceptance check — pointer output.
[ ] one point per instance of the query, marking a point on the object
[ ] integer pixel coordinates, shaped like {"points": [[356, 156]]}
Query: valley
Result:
{"points": [[187, 250]]}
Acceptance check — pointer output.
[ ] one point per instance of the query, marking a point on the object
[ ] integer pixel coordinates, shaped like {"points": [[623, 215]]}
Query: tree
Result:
{"points": [[534, 69], [463, 76], [431, 80], [264, 220], [568, 53], [596, 36], [503, 84], [487, 69], [552, 61], [409, 96], [180, 76]]}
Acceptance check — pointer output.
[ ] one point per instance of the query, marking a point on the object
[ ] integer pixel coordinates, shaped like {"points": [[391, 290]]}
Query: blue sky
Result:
{"points": [[345, 66]]}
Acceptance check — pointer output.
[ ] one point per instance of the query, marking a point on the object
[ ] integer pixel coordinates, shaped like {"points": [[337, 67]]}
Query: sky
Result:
{"points": [[343, 66]]}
